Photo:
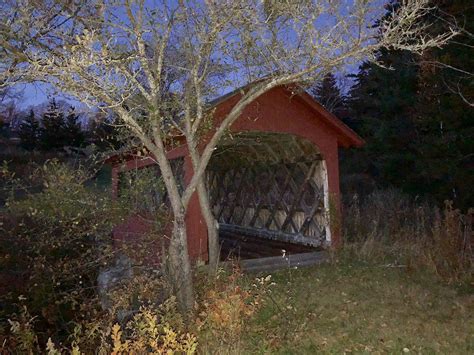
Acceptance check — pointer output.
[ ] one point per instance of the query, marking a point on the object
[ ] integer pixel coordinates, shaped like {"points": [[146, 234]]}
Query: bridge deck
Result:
{"points": [[243, 247]]}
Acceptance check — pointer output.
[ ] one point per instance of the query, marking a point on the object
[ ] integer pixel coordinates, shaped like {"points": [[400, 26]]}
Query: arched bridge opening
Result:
{"points": [[268, 193]]}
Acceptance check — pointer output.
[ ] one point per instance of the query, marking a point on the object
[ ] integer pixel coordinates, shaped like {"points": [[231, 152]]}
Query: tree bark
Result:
{"points": [[180, 267], [204, 203], [212, 226]]}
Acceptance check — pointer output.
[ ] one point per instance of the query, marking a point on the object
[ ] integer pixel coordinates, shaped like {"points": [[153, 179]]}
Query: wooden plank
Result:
{"points": [[223, 192], [278, 202], [250, 247], [278, 263], [274, 235], [267, 200]]}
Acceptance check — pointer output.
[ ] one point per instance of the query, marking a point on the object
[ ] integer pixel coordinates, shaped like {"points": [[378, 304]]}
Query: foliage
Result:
{"points": [[444, 113], [143, 189], [52, 127], [29, 132], [3, 128], [226, 307], [328, 93], [55, 130], [148, 331], [55, 238], [382, 101], [150, 335], [25, 338], [413, 114], [144, 289], [73, 134], [106, 133]]}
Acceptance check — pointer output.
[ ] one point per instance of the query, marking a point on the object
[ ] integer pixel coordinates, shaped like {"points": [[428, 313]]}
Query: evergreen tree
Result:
{"points": [[74, 136], [419, 132], [105, 133], [29, 132], [329, 95], [444, 111], [3, 127], [381, 103], [53, 128]]}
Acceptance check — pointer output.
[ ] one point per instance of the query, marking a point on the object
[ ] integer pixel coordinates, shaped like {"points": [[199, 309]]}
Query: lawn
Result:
{"points": [[350, 307]]}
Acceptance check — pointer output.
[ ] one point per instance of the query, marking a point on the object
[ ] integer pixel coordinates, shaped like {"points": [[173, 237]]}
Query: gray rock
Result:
{"points": [[111, 277]]}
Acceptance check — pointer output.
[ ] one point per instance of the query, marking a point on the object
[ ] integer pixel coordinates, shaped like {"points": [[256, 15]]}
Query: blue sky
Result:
{"points": [[34, 94], [38, 93]]}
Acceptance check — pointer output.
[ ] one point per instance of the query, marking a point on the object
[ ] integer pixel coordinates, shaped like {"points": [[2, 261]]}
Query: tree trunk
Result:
{"points": [[212, 226], [206, 210], [180, 267]]}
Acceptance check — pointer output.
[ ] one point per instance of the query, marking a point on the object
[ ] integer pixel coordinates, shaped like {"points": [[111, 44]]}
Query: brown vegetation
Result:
{"points": [[390, 225], [57, 247]]}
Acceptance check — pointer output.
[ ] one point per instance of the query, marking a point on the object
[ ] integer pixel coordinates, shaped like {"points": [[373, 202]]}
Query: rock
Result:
{"points": [[111, 277]]}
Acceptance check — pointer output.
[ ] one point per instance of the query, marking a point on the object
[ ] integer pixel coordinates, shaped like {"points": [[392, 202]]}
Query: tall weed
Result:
{"points": [[388, 225], [226, 306]]}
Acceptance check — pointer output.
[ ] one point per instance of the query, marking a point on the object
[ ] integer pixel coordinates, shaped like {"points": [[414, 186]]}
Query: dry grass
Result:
{"points": [[356, 307], [387, 225], [401, 284]]}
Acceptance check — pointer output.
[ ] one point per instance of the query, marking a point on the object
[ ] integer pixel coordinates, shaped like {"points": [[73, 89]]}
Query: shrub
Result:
{"points": [[225, 308], [148, 331], [55, 241], [24, 338], [56, 236], [149, 334]]}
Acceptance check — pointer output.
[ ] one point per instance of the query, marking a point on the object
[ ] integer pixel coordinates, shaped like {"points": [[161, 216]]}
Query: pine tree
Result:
{"points": [[382, 104], [52, 131], [329, 95], [74, 136], [419, 131], [444, 111], [29, 132], [3, 127], [105, 133]]}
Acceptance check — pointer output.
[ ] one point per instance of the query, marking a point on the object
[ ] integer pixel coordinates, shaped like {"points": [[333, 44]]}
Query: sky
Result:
{"points": [[34, 94], [39, 93]]}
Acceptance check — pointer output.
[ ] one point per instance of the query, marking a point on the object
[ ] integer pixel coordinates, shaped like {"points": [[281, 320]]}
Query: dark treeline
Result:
{"points": [[58, 127], [416, 115]]}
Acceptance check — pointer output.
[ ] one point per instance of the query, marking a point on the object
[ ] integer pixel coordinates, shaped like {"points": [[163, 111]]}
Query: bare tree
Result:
{"points": [[166, 60]]}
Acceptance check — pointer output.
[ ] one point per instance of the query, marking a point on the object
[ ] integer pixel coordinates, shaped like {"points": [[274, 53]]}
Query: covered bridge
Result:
{"points": [[273, 182]]}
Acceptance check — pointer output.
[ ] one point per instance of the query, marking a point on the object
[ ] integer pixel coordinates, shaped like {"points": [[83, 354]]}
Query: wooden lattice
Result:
{"points": [[151, 176], [279, 201]]}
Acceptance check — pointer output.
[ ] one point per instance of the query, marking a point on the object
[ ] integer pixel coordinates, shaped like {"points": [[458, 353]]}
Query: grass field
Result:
{"points": [[350, 307]]}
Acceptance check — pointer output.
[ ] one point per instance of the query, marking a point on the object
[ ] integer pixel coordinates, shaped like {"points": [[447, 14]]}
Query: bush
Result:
{"points": [[54, 242], [226, 307], [56, 238], [389, 225], [148, 331]]}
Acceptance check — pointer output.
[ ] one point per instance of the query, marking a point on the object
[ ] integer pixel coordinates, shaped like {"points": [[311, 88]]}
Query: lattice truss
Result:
{"points": [[148, 178], [279, 201]]}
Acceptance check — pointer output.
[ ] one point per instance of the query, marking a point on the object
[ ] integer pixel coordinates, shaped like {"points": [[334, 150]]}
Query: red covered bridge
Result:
{"points": [[273, 182]]}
